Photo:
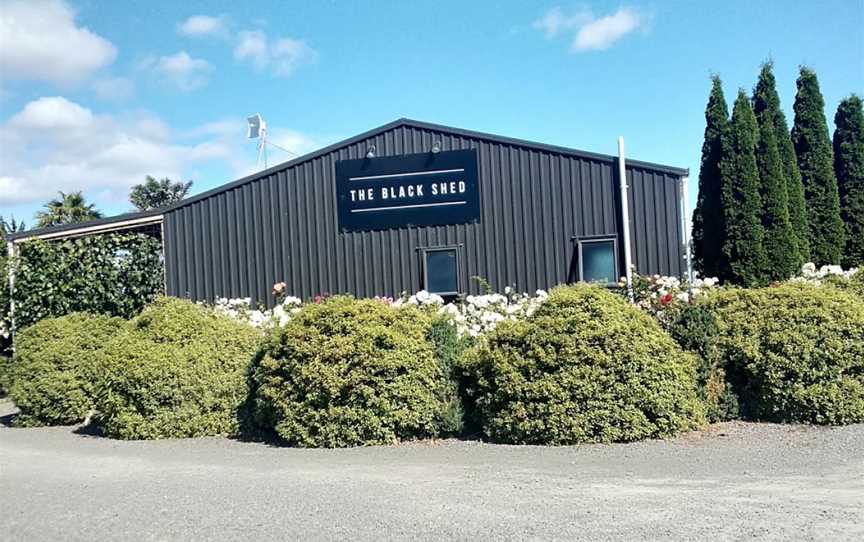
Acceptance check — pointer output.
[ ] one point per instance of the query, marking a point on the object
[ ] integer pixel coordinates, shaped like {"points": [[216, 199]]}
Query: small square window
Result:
{"points": [[441, 271], [597, 261]]}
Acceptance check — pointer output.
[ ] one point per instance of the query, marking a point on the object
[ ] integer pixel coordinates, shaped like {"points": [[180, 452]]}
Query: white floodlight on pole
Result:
{"points": [[258, 130]]}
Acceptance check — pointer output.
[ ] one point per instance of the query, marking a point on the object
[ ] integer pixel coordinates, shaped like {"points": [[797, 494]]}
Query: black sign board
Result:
{"points": [[410, 190]]}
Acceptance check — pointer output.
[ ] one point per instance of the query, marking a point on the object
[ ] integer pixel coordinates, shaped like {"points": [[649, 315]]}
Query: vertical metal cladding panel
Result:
{"points": [[656, 231], [282, 225]]}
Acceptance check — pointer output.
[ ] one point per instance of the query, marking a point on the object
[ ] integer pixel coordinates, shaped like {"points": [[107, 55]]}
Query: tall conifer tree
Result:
{"points": [[708, 215], [781, 248], [816, 163], [766, 99], [743, 248], [849, 167]]}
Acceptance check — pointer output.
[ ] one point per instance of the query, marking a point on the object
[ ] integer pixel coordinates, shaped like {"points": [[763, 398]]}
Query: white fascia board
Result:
{"points": [[100, 228]]}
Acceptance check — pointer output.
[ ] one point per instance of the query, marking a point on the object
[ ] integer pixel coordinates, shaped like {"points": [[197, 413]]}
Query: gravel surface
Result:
{"points": [[731, 481]]}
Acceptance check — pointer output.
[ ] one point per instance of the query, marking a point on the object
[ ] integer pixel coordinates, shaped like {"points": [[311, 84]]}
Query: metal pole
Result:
{"points": [[685, 181], [10, 251], [625, 218]]}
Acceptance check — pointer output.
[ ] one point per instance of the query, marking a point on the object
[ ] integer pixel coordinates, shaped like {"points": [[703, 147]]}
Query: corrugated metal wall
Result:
{"points": [[240, 241]]}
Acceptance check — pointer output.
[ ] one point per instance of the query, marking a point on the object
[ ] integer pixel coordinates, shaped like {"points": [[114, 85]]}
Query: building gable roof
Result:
{"points": [[543, 147]]}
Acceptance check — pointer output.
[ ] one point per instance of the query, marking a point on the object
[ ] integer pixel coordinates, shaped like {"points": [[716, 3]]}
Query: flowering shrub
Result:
{"points": [[478, 314], [658, 294], [826, 273], [665, 296], [241, 309]]}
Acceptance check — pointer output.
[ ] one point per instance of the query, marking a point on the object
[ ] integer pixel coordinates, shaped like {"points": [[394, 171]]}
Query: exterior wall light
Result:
{"points": [[370, 153], [436, 147]]}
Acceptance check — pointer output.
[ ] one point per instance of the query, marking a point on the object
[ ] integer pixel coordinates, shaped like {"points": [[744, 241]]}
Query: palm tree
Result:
{"points": [[67, 209], [153, 194], [8, 227]]}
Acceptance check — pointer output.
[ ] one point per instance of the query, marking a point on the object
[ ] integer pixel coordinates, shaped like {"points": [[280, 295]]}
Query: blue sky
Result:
{"points": [[96, 94]]}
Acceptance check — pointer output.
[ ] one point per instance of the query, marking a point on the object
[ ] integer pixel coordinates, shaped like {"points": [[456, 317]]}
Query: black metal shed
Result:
{"points": [[542, 214]]}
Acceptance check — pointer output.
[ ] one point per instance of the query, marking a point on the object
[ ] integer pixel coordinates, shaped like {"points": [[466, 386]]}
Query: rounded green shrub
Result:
{"points": [[855, 285], [585, 367], [55, 364], [695, 329], [177, 370], [795, 352], [348, 372]]}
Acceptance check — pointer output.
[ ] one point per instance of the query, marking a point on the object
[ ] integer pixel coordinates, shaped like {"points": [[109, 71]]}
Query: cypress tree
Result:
{"points": [[708, 216], [816, 163], [743, 248], [849, 168], [781, 249], [766, 98]]}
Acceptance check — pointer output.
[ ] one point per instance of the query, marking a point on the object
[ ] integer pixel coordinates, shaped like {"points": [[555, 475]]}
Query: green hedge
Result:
{"points": [[349, 372], [585, 367], [794, 353], [113, 274], [695, 328], [5, 314], [449, 347], [5, 374], [177, 370], [55, 366]]}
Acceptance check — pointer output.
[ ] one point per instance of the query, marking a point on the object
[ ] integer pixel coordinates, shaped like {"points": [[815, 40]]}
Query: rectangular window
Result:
{"points": [[441, 271], [598, 261]]}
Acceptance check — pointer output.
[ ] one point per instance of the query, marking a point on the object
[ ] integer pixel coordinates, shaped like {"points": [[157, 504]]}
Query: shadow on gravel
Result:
{"points": [[8, 420], [89, 430]]}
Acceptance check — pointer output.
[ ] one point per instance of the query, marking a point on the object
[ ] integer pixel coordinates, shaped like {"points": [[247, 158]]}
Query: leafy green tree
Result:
{"points": [[743, 248], [816, 163], [781, 248], [849, 167], [766, 99], [153, 194], [67, 209], [708, 215]]}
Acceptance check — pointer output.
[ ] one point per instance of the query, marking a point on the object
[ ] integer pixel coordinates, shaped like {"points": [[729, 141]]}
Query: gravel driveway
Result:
{"points": [[732, 481]]}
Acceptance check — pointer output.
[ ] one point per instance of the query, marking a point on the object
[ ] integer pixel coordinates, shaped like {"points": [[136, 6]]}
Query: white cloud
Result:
{"points": [[52, 113], [180, 69], [202, 25], [41, 41], [281, 56], [602, 33], [55, 144], [591, 33], [555, 21], [116, 89], [288, 54], [252, 45]]}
